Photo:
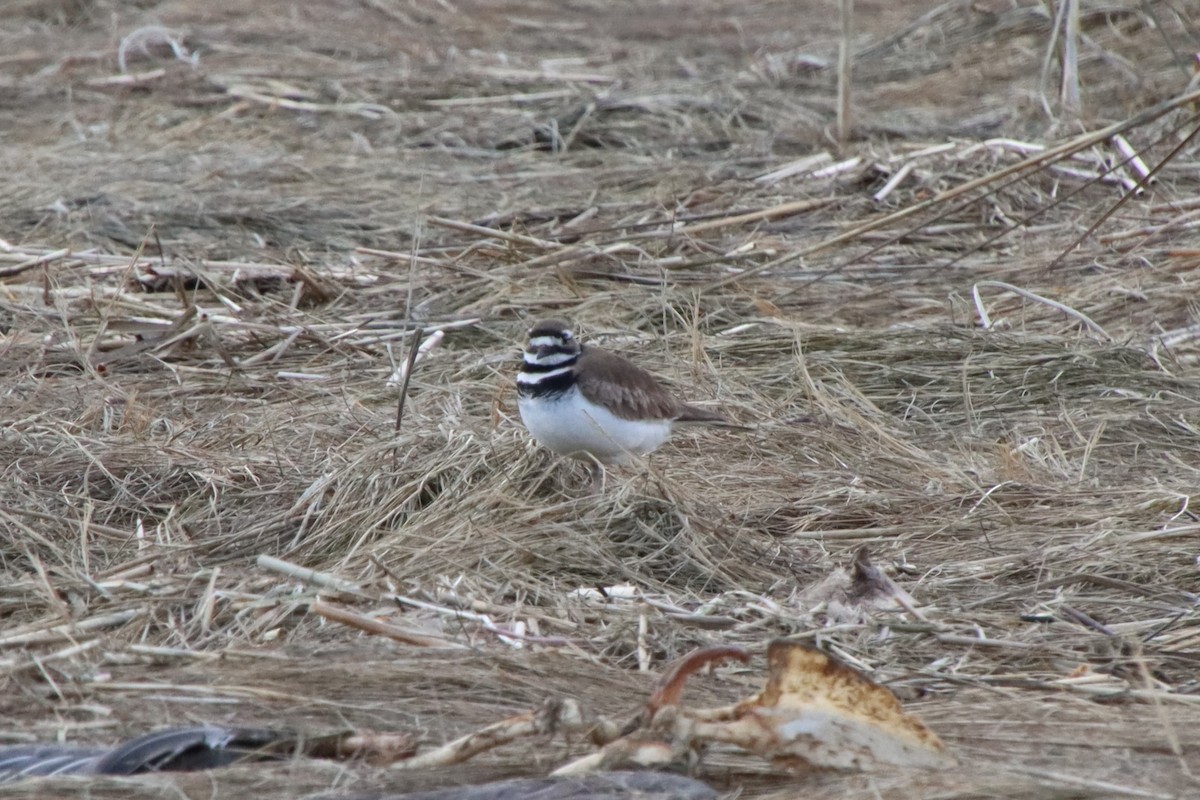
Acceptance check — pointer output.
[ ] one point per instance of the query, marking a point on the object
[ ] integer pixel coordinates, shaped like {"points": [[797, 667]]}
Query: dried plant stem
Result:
{"points": [[845, 118]]}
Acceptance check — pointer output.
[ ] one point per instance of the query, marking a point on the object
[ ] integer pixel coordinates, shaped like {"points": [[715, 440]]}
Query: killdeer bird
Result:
{"points": [[581, 401]]}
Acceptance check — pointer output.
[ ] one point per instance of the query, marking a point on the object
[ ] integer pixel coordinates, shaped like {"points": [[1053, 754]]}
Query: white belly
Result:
{"points": [[571, 426]]}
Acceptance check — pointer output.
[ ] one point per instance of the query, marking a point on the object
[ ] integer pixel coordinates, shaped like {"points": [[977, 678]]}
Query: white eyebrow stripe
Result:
{"points": [[545, 341], [537, 377]]}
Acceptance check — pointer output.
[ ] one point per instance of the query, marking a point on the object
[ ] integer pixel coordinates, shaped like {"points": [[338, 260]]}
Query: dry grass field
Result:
{"points": [[950, 343]]}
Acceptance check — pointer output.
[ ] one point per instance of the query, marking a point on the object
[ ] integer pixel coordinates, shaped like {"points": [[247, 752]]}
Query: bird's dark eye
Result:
{"points": [[566, 336]]}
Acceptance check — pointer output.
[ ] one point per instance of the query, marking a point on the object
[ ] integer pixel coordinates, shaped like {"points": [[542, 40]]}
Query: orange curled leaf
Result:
{"points": [[670, 686]]}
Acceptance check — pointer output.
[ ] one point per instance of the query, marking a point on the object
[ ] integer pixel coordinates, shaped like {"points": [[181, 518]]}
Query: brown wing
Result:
{"points": [[627, 390], [631, 392]]}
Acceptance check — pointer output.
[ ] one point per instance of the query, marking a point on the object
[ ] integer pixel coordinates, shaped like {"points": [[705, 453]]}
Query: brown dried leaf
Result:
{"points": [[851, 597], [818, 712], [767, 308]]}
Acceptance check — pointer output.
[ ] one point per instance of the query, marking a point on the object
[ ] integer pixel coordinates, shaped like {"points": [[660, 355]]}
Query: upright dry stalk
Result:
{"points": [[413, 349], [415, 345], [844, 120], [1069, 89]]}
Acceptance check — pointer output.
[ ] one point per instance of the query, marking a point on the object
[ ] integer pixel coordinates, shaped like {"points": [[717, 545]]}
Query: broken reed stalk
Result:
{"points": [[1142, 182], [377, 627], [1038, 161], [1069, 94], [1128, 156], [845, 120], [410, 362]]}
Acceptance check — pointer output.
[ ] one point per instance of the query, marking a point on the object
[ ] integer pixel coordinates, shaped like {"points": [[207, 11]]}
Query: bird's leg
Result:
{"points": [[598, 473], [650, 475]]}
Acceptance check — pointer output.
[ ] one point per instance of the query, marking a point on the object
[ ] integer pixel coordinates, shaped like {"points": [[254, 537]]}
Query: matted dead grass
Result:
{"points": [[210, 271]]}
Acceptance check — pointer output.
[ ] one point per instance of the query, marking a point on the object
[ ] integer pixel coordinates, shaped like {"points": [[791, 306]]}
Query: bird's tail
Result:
{"points": [[693, 414]]}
